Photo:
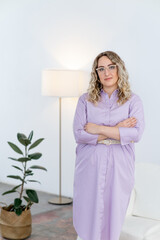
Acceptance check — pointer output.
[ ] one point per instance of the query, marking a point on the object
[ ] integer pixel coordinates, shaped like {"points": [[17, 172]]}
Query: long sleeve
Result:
{"points": [[80, 119], [133, 134]]}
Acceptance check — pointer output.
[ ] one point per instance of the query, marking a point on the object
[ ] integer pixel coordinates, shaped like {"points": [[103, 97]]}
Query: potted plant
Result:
{"points": [[16, 217]]}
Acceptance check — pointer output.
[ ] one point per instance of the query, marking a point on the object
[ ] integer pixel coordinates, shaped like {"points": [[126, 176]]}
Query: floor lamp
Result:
{"points": [[62, 83]]}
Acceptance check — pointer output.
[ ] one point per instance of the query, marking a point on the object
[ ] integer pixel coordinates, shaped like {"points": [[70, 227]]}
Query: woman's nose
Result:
{"points": [[106, 72]]}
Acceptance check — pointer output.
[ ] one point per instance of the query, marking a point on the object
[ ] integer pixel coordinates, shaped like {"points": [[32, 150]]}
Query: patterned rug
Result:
{"points": [[53, 225]]}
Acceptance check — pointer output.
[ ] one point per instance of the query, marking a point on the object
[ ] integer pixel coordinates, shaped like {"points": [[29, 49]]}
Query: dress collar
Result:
{"points": [[114, 93]]}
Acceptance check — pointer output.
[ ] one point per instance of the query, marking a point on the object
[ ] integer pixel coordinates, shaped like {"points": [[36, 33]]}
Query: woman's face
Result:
{"points": [[108, 74]]}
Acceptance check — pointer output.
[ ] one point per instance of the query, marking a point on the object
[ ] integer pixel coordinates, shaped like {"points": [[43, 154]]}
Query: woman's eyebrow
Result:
{"points": [[107, 65]]}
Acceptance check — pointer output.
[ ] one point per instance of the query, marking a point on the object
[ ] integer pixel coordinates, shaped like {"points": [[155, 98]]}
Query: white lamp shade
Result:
{"points": [[63, 83]]}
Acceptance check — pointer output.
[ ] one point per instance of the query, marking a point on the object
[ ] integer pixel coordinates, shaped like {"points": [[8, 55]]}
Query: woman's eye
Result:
{"points": [[101, 69], [112, 67]]}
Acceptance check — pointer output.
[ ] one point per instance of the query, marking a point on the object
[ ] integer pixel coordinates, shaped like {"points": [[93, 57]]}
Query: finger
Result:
{"points": [[127, 120], [133, 122], [133, 118]]}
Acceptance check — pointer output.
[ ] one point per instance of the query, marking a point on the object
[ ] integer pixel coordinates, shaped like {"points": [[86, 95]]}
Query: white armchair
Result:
{"points": [[142, 221]]}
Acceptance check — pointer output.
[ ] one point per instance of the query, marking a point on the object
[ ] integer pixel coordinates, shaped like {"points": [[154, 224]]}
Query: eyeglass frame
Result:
{"points": [[106, 68]]}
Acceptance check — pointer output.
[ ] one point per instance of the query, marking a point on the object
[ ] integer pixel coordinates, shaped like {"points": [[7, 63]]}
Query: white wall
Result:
{"points": [[39, 34]]}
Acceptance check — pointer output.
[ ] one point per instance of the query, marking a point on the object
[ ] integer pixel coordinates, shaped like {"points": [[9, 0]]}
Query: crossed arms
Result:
{"points": [[109, 132], [131, 129]]}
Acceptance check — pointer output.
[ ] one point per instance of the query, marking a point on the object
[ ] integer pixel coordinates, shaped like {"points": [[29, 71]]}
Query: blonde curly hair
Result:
{"points": [[95, 86]]}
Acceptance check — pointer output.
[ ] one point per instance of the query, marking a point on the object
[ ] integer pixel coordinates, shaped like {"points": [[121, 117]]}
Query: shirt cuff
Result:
{"points": [[86, 138], [127, 135]]}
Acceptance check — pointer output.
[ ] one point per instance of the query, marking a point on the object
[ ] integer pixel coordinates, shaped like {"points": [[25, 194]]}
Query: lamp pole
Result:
{"points": [[60, 200]]}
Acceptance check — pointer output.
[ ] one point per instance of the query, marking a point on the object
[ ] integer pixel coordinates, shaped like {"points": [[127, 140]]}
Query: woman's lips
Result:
{"points": [[107, 78]]}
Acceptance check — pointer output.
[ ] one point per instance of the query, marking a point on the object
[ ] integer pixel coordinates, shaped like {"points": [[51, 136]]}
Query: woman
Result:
{"points": [[109, 119]]}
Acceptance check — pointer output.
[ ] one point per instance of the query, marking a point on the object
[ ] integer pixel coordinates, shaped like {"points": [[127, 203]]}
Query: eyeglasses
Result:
{"points": [[110, 68]]}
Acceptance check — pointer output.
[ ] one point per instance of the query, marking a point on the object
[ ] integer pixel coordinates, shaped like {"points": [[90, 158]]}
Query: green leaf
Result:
{"points": [[17, 202], [29, 174], [30, 136], [15, 148], [36, 143], [18, 211], [23, 139], [38, 167], [24, 159], [16, 187], [35, 155], [15, 177], [26, 198], [17, 168], [28, 171], [15, 159], [11, 191], [21, 135], [32, 195], [33, 181]]}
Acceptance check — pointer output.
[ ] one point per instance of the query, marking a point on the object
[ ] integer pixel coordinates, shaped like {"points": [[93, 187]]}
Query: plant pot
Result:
{"points": [[15, 227]]}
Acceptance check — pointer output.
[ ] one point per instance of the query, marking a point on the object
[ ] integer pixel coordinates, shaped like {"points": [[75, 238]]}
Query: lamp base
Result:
{"points": [[60, 200]]}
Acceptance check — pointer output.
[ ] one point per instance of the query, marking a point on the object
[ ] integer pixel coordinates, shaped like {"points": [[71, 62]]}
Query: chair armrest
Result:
{"points": [[131, 202]]}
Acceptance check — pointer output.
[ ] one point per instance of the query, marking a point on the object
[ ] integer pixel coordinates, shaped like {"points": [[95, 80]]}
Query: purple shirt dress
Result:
{"points": [[104, 174]]}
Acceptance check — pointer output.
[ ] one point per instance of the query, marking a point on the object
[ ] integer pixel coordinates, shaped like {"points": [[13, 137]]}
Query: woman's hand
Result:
{"points": [[129, 122], [101, 137], [92, 128]]}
